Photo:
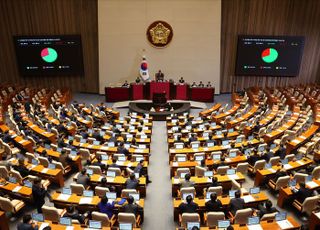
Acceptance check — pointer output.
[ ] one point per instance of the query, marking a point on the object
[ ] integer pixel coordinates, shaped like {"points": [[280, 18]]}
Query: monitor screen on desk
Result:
{"points": [[254, 190], [195, 146], [12, 180], [179, 146], [88, 193], [231, 171], [38, 217], [135, 196], [216, 157], [65, 221], [66, 191], [199, 158], [208, 173], [281, 216], [95, 224], [223, 223], [111, 195], [225, 143], [28, 183], [253, 220], [190, 225], [232, 193], [181, 159], [210, 144], [90, 172], [184, 196], [125, 226]]}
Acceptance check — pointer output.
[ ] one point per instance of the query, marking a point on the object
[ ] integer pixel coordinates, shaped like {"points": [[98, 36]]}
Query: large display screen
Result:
{"points": [[269, 55], [45, 55]]}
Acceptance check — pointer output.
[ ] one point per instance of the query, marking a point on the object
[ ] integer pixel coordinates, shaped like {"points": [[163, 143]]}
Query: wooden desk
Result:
{"points": [[62, 227], [204, 182], [244, 117], [209, 163], [280, 131], [225, 200], [54, 175], [300, 140], [218, 118], [43, 133], [3, 221], [119, 182], [208, 112], [19, 140], [286, 193], [54, 154], [314, 221], [17, 191], [265, 225], [294, 165]]}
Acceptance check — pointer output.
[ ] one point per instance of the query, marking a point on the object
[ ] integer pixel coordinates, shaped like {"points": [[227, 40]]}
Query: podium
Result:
{"points": [[159, 87], [181, 92], [137, 91]]}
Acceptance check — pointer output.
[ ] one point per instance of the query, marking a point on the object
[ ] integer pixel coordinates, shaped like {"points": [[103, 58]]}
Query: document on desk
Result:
{"points": [[287, 166], [248, 198], [284, 224], [138, 150], [64, 197], [234, 176], [16, 189], [90, 146], [85, 200], [45, 170], [272, 170], [312, 184], [121, 163], [254, 227], [69, 228], [300, 162], [129, 164], [175, 164], [176, 181], [110, 179]]}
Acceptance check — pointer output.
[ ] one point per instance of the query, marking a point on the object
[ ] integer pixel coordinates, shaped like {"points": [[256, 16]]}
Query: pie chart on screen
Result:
{"points": [[49, 55], [269, 55]]}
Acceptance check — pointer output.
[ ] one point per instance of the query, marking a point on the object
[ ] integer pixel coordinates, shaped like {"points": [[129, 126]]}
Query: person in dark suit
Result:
{"points": [[99, 163], [201, 84], [181, 80], [236, 203], [189, 207], [213, 205], [7, 137], [187, 183], [122, 149], [210, 140], [281, 152], [221, 163], [131, 207], [27, 223], [303, 192], [64, 158], [256, 128], [21, 168], [39, 194], [73, 213], [279, 173], [215, 182], [193, 138], [132, 182], [253, 158], [266, 208], [83, 178], [268, 154], [159, 76]]}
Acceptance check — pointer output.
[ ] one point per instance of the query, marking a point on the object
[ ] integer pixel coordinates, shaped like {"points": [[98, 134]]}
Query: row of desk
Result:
{"points": [[146, 91]]}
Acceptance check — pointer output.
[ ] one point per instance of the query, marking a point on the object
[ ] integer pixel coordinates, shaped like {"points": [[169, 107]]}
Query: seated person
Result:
{"points": [[193, 138], [236, 203], [213, 205], [201, 84], [181, 80], [214, 182], [122, 149], [266, 208], [279, 173], [221, 163], [189, 207], [187, 183], [303, 193], [138, 80], [132, 207], [132, 182], [281, 152], [72, 213], [21, 168], [64, 158], [210, 140], [268, 154], [256, 128], [106, 207], [253, 158], [99, 163], [114, 163], [209, 84], [194, 84], [159, 76], [125, 84], [27, 223], [203, 164], [83, 178]]}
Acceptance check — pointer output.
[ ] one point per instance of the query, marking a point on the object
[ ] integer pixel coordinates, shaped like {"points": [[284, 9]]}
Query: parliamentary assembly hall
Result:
{"points": [[160, 114]]}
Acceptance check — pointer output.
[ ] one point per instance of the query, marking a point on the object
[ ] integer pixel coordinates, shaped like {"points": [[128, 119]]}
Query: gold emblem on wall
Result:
{"points": [[159, 34]]}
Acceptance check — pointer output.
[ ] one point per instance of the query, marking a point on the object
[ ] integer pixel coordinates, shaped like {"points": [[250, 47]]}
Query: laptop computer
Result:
{"points": [[12, 180], [268, 166], [254, 220], [199, 158], [104, 157], [190, 225], [281, 216], [90, 172], [52, 166], [88, 193], [181, 159], [208, 174], [111, 174], [111, 144], [231, 171], [232, 193], [225, 142], [66, 191], [125, 226], [210, 144], [223, 224], [121, 158], [34, 162], [37, 217], [254, 190], [216, 157], [96, 143], [27, 183], [292, 183], [195, 146], [230, 130], [65, 221], [308, 178], [232, 154], [95, 224]]}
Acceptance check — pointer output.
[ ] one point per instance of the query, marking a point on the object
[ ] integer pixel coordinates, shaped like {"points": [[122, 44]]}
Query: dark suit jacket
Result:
{"points": [[252, 159], [263, 210], [213, 206], [236, 204], [132, 208], [188, 208], [303, 193], [23, 226], [22, 170]]}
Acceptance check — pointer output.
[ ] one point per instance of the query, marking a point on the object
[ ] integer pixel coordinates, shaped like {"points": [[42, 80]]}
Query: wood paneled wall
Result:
{"points": [[50, 17], [269, 17]]}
